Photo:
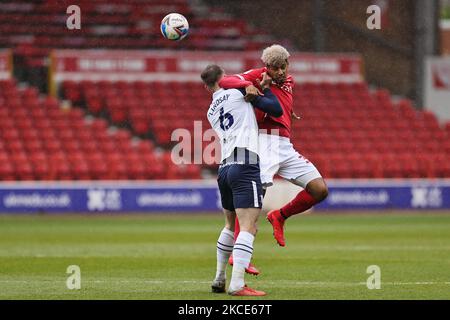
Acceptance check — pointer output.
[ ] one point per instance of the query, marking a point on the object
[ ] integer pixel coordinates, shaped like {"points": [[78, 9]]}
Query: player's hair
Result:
{"points": [[275, 55], [211, 74]]}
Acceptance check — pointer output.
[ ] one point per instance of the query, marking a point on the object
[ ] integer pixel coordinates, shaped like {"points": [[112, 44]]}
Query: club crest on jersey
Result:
{"points": [[286, 87]]}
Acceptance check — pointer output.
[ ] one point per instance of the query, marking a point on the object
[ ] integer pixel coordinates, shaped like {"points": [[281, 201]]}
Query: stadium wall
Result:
{"points": [[203, 196]]}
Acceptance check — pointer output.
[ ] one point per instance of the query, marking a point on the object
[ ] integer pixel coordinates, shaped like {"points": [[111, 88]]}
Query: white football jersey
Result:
{"points": [[234, 121]]}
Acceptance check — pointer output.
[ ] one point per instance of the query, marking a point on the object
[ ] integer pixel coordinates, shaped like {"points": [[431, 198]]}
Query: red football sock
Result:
{"points": [[236, 228], [302, 202]]}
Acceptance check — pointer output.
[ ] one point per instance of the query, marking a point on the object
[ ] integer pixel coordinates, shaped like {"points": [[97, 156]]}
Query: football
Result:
{"points": [[174, 26]]}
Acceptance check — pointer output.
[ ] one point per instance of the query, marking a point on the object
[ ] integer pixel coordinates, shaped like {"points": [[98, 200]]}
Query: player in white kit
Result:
{"points": [[234, 121]]}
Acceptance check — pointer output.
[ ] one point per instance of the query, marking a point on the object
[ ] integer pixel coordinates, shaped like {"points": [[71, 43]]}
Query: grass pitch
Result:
{"points": [[173, 256]]}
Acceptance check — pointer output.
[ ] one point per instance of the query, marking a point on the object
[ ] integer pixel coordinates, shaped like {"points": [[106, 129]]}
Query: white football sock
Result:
{"points": [[224, 248], [242, 254]]}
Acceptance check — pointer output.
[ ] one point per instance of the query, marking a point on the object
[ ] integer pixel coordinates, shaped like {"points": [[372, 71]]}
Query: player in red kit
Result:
{"points": [[277, 154]]}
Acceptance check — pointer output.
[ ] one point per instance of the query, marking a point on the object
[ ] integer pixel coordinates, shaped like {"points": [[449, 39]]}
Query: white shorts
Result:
{"points": [[278, 156]]}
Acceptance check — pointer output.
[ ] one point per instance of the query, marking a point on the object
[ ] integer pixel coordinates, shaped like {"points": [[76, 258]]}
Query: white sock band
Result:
{"points": [[243, 248], [224, 249], [242, 255]]}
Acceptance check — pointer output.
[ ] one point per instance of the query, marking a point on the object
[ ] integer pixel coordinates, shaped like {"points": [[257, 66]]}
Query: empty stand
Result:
{"points": [[41, 141], [350, 132], [117, 24], [346, 130]]}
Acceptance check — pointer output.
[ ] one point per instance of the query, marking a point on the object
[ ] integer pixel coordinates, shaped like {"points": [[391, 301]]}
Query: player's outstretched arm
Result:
{"points": [[234, 82], [242, 80]]}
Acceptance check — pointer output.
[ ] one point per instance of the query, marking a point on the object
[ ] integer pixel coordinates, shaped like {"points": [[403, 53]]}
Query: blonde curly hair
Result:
{"points": [[275, 55]]}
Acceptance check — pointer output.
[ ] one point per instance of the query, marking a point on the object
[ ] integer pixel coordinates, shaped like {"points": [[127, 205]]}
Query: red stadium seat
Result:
{"points": [[7, 172]]}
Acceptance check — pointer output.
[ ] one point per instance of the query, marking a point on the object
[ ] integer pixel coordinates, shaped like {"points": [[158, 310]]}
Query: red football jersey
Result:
{"points": [[282, 92]]}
